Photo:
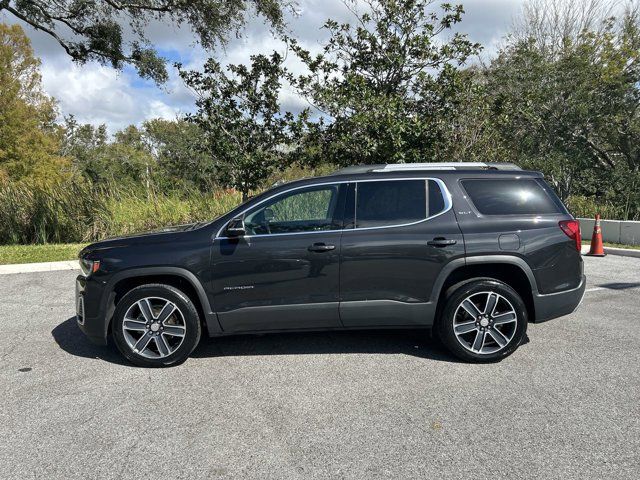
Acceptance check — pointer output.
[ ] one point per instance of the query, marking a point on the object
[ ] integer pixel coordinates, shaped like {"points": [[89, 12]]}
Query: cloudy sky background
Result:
{"points": [[97, 94]]}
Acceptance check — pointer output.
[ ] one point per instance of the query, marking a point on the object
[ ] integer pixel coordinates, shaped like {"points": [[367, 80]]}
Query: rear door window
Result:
{"points": [[396, 202], [512, 197]]}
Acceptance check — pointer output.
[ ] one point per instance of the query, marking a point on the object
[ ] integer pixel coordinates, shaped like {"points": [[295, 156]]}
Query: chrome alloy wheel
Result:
{"points": [[154, 327], [485, 322]]}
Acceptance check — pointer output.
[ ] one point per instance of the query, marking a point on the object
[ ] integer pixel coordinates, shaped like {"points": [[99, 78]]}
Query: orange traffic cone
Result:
{"points": [[596, 249]]}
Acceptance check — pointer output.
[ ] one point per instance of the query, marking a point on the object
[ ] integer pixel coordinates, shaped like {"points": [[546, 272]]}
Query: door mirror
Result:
{"points": [[236, 228]]}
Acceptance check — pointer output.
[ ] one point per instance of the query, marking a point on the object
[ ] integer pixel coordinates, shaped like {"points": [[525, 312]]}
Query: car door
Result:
{"points": [[399, 233], [284, 272]]}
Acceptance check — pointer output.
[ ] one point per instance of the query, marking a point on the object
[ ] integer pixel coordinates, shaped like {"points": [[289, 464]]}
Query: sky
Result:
{"points": [[97, 94]]}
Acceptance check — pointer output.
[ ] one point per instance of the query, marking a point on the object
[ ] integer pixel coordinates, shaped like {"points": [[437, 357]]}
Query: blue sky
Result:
{"points": [[97, 94]]}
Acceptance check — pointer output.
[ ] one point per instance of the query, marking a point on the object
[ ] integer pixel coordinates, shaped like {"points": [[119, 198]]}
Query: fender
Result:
{"points": [[481, 260], [211, 318]]}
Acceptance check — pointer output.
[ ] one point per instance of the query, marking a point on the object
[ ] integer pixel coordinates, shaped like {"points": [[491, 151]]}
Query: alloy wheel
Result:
{"points": [[154, 327], [485, 322]]}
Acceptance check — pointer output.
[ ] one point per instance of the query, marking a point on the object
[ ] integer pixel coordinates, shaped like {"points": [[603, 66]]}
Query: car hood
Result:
{"points": [[152, 236]]}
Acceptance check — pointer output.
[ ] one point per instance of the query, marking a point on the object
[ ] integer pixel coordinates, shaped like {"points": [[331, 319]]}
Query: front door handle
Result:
{"points": [[321, 247], [441, 242]]}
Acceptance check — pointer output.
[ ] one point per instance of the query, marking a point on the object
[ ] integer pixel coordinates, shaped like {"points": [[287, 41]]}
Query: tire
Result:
{"points": [[161, 321], [497, 331]]}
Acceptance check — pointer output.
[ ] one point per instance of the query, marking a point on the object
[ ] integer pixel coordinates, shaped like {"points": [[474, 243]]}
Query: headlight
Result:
{"points": [[89, 266]]}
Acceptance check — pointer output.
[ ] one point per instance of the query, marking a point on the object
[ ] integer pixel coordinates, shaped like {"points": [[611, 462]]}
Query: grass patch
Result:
{"points": [[39, 253], [619, 245], [614, 245]]}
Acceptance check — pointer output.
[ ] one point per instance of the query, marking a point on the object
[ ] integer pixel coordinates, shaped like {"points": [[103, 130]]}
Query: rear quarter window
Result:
{"points": [[512, 197]]}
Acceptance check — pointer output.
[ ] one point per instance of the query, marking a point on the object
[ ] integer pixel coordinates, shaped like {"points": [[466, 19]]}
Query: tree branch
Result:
{"points": [[37, 26]]}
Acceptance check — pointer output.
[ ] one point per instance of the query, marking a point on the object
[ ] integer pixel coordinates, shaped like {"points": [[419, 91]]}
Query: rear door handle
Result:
{"points": [[441, 242], [321, 247]]}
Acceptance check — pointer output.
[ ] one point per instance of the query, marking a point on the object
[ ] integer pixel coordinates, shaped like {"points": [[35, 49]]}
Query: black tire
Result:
{"points": [[475, 289], [188, 313]]}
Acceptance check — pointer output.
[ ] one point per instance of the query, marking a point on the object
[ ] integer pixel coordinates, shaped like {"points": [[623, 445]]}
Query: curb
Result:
{"points": [[39, 267], [621, 252]]}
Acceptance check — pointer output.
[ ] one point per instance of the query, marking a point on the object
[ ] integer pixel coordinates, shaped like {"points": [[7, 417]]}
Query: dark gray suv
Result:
{"points": [[472, 251]]}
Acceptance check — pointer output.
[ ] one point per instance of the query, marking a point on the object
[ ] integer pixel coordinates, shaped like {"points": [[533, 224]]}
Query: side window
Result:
{"points": [[392, 202], [511, 197], [306, 210], [397, 202]]}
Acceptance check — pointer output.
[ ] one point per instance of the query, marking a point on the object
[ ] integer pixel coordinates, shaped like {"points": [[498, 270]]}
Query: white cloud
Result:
{"points": [[97, 94]]}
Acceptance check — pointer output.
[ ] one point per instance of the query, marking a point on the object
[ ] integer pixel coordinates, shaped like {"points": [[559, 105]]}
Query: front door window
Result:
{"points": [[306, 210]]}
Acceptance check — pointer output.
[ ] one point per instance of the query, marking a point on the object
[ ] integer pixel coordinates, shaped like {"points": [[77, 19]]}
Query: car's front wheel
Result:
{"points": [[156, 326], [482, 320]]}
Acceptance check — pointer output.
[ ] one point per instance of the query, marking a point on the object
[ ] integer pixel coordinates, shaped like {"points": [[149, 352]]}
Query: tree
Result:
{"points": [[99, 30], [80, 143], [29, 138], [550, 24], [177, 146], [125, 160], [245, 132], [387, 89], [573, 113]]}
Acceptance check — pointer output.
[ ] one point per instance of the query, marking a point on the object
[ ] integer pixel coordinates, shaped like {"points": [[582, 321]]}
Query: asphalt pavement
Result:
{"points": [[357, 405]]}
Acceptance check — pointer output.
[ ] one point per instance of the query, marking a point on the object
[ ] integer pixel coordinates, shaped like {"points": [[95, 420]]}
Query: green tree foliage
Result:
{"points": [[239, 113], [571, 111], [177, 146], [386, 89], [161, 154], [100, 30], [126, 159], [28, 136]]}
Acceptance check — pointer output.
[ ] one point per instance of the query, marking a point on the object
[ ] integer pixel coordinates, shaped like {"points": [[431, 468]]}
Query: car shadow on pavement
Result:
{"points": [[619, 285], [417, 343], [69, 338]]}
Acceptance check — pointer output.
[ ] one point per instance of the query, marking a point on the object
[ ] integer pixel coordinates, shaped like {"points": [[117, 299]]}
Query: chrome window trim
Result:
{"points": [[448, 204]]}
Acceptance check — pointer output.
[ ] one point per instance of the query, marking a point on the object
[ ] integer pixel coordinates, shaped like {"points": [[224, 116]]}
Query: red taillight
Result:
{"points": [[571, 228]]}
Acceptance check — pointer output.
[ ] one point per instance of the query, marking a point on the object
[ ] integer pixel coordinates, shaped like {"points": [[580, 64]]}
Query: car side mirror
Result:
{"points": [[236, 228]]}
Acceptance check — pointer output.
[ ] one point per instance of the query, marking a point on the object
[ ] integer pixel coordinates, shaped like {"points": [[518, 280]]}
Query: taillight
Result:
{"points": [[571, 228]]}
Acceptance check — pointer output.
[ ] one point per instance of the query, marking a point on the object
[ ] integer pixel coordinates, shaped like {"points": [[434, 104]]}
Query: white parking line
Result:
{"points": [[594, 289]]}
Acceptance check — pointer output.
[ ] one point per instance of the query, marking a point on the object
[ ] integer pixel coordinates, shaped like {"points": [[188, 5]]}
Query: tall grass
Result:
{"points": [[77, 212], [588, 207], [131, 212], [67, 213]]}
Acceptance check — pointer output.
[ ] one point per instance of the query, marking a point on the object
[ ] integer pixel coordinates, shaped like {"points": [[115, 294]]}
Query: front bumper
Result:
{"points": [[92, 324], [558, 304]]}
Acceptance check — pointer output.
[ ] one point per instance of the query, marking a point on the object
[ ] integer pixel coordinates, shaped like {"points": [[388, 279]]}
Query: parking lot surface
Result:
{"points": [[323, 405]]}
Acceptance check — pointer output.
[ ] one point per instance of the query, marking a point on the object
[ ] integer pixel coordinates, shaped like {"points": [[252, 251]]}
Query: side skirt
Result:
{"points": [[312, 330]]}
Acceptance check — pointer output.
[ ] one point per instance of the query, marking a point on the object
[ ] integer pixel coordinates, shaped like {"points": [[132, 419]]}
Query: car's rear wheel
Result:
{"points": [[482, 320], [156, 326]]}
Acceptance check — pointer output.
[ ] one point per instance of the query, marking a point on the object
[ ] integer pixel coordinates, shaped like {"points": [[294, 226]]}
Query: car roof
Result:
{"points": [[372, 172]]}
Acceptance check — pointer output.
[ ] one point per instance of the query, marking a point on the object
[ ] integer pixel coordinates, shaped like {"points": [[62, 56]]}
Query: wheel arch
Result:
{"points": [[511, 270], [180, 278]]}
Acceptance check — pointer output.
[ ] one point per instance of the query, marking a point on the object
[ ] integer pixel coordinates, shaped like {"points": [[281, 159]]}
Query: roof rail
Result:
{"points": [[412, 167]]}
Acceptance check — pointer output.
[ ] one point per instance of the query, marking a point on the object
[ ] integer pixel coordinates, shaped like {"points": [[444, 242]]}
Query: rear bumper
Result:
{"points": [[558, 304]]}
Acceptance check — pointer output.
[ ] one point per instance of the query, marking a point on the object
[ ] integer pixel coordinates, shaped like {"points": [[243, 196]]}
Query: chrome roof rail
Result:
{"points": [[414, 167]]}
